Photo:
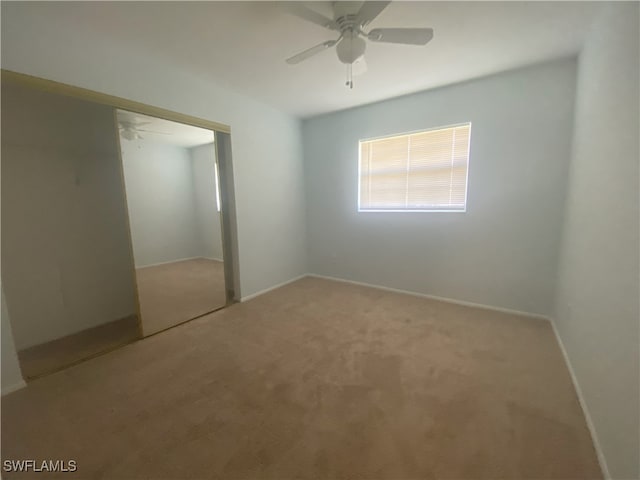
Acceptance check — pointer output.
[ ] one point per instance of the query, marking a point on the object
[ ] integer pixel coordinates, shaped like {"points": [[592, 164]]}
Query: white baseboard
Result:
{"points": [[167, 262], [266, 290], [536, 316], [12, 388], [176, 261], [213, 258], [435, 297], [583, 404]]}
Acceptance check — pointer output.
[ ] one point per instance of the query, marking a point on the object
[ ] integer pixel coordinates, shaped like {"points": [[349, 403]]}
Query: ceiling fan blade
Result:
{"points": [[152, 131], [302, 11], [310, 52], [133, 123], [369, 11], [407, 36]]}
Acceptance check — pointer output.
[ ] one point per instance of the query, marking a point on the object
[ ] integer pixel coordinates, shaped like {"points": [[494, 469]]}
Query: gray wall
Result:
{"points": [[503, 251], [66, 264], [207, 216], [597, 304], [161, 202]]}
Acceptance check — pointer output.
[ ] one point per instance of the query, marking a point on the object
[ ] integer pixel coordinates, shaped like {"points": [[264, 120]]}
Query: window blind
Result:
{"points": [[422, 171]]}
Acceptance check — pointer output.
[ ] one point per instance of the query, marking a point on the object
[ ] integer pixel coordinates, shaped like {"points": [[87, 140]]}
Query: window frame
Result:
{"points": [[415, 210], [216, 179]]}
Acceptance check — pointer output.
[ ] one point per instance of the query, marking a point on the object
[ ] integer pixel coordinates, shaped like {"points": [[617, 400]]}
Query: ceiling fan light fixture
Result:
{"points": [[351, 48], [129, 134]]}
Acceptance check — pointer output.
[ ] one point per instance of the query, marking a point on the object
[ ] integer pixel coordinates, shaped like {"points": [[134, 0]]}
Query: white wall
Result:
{"points": [[161, 202], [171, 196], [502, 252], [203, 160], [597, 304], [267, 151], [66, 264], [11, 374]]}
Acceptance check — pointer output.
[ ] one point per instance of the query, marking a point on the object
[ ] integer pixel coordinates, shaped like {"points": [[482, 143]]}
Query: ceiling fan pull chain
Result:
{"points": [[349, 82]]}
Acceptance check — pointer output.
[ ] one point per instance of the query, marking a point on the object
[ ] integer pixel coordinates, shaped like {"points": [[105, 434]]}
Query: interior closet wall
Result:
{"points": [[66, 262]]}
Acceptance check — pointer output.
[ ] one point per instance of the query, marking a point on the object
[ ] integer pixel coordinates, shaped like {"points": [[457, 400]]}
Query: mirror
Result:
{"points": [[66, 261], [173, 201]]}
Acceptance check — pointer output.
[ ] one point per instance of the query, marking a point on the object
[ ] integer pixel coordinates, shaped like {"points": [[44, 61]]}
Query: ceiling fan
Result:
{"points": [[350, 22], [130, 128]]}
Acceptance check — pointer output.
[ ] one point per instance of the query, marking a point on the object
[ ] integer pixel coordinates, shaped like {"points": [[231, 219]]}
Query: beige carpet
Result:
{"points": [[51, 356], [317, 379], [175, 292]]}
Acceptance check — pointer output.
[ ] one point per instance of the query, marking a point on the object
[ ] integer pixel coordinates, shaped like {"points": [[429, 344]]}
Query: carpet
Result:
{"points": [[62, 352], [175, 292], [319, 380]]}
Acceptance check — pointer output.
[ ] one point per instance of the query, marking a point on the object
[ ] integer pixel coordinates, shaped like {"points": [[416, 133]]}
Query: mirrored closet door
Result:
{"points": [[111, 221], [66, 261], [173, 201]]}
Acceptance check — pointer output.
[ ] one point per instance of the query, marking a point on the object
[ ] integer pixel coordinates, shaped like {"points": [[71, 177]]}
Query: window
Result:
{"points": [[416, 172], [217, 180]]}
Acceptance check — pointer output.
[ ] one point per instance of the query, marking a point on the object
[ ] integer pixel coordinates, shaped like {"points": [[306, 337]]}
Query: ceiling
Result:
{"points": [[163, 131], [242, 45]]}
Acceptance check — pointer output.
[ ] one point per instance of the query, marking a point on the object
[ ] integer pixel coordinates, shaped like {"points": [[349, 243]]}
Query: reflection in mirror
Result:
{"points": [[68, 292], [173, 201]]}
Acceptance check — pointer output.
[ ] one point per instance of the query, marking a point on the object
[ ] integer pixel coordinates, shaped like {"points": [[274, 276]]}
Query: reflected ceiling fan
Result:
{"points": [[129, 127], [350, 21]]}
